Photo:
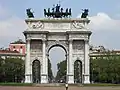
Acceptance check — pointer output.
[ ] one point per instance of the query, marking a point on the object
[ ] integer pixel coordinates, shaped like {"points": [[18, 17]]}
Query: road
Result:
{"points": [[57, 88]]}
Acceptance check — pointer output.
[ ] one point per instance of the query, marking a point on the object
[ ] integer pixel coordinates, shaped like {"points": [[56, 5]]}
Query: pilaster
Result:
{"points": [[70, 65], [87, 63], [44, 74], [28, 74]]}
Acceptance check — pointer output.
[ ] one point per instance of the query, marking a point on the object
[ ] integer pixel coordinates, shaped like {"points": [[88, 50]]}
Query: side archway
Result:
{"points": [[36, 74], [78, 71]]}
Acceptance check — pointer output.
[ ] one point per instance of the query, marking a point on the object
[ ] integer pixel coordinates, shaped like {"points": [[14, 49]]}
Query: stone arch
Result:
{"points": [[78, 77], [66, 56], [36, 71], [57, 43], [57, 32]]}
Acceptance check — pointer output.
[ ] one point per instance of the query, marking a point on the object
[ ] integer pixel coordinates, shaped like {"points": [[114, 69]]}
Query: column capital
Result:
{"points": [[86, 40], [44, 40], [27, 40], [70, 40]]}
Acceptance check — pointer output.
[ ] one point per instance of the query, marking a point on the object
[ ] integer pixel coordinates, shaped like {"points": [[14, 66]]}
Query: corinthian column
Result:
{"points": [[27, 63], [44, 74], [87, 63]]}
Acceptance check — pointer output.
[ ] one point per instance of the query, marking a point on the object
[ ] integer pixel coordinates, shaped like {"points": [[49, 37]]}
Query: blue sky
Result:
{"points": [[104, 16], [14, 11], [18, 7]]}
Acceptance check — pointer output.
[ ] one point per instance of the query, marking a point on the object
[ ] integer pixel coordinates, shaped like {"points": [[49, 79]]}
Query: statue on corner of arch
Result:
{"points": [[85, 13], [29, 13]]}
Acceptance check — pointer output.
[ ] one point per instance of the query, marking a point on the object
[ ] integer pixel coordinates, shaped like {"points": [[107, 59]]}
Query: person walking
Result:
{"points": [[66, 86]]}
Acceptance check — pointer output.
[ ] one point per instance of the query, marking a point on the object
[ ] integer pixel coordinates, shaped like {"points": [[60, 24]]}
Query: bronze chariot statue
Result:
{"points": [[57, 12]]}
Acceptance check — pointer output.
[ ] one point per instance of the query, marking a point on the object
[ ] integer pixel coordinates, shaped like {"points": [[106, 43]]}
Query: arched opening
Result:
{"points": [[77, 71], [58, 61], [36, 76]]}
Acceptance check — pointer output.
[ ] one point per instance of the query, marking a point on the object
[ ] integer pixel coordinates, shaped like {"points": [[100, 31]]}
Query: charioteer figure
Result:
{"points": [[58, 8]]}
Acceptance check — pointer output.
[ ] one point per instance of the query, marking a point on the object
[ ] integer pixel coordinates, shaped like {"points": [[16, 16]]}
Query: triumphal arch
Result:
{"points": [[72, 34]]}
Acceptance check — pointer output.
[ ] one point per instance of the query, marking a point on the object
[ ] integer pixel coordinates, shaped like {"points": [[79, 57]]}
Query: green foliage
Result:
{"points": [[62, 68], [105, 69], [11, 70], [101, 84], [50, 73], [36, 71], [78, 71]]}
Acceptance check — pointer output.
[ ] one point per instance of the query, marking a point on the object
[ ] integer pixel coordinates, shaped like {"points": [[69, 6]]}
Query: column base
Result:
{"points": [[70, 79], [28, 79], [44, 79], [86, 79]]}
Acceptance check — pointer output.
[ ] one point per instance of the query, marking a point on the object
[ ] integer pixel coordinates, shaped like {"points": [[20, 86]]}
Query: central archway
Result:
{"points": [[60, 59]]}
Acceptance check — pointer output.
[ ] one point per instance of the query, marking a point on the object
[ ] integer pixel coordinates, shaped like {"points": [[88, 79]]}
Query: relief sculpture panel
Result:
{"points": [[57, 26], [36, 47], [78, 25], [78, 47], [36, 25]]}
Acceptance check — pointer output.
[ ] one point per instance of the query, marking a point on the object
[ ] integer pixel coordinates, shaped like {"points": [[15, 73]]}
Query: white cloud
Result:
{"points": [[103, 22], [4, 13], [11, 26], [105, 31]]}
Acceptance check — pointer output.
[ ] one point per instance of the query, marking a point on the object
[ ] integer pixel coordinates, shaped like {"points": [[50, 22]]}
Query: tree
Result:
{"points": [[1, 69], [62, 68], [50, 73], [13, 70], [106, 69]]}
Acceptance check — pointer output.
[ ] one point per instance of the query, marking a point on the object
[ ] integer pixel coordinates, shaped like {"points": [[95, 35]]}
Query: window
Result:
{"points": [[21, 47], [13, 46]]}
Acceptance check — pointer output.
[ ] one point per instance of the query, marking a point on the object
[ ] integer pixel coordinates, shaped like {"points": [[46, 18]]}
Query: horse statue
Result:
{"points": [[29, 13], [70, 12], [47, 13], [85, 13]]}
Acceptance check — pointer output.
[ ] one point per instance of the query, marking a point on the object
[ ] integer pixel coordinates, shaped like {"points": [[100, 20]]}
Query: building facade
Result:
{"points": [[19, 46], [16, 49]]}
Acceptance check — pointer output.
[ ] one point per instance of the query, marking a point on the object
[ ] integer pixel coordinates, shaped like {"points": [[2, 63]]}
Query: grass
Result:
{"points": [[83, 85], [16, 84], [101, 84]]}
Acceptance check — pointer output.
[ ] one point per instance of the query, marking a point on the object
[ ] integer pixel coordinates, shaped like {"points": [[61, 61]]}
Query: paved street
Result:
{"points": [[57, 88]]}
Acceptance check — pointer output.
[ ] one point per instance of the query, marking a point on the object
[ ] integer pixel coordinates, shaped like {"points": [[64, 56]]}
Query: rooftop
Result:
{"points": [[18, 42], [8, 51]]}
